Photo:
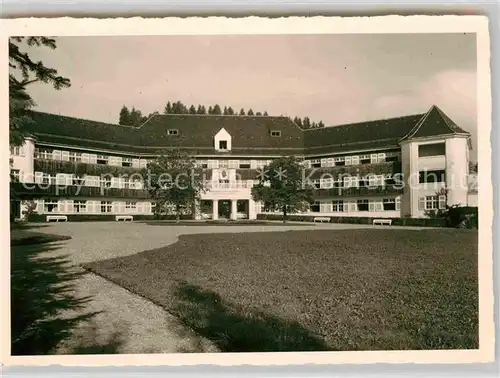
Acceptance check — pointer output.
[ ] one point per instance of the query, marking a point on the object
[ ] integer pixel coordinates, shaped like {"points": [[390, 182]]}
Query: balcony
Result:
{"points": [[214, 185], [29, 190], [358, 191], [390, 167], [62, 166]]}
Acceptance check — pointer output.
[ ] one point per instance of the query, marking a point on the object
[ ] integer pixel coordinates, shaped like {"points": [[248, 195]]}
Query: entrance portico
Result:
{"points": [[232, 209]]}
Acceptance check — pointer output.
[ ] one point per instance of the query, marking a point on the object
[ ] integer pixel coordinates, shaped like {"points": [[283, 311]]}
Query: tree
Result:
{"points": [[216, 109], [24, 72], [250, 112], [298, 121], [321, 124], [242, 111], [258, 113], [225, 111], [124, 116], [230, 111], [210, 110], [135, 117], [168, 108], [201, 109], [283, 186], [265, 113], [192, 109], [172, 182], [306, 123]]}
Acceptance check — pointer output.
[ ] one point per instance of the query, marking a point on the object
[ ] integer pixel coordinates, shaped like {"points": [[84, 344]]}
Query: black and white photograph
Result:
{"points": [[211, 194]]}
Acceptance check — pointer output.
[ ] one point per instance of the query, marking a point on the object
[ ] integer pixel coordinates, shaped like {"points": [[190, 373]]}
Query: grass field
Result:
{"points": [[363, 289]]}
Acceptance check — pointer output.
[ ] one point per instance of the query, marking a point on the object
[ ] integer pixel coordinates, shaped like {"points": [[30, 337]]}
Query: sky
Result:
{"points": [[337, 79]]}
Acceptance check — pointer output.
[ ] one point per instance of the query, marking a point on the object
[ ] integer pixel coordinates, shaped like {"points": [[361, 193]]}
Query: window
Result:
{"points": [[78, 180], [389, 179], [326, 183], [354, 160], [275, 133], [316, 183], [244, 164], [348, 160], [365, 159], [128, 184], [432, 202], [80, 206], [351, 181], [172, 132], [222, 144], [130, 206], [431, 176], [16, 150], [105, 182], [316, 163], [106, 207], [202, 163], [337, 206], [363, 205], [75, 156], [126, 162], [223, 164], [15, 175], [373, 158], [392, 156], [434, 149], [50, 206], [314, 207], [389, 204], [43, 153], [381, 157], [48, 179], [339, 161], [102, 159]]}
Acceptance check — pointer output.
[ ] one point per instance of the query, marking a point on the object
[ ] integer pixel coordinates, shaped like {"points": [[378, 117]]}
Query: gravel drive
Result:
{"points": [[137, 325]]}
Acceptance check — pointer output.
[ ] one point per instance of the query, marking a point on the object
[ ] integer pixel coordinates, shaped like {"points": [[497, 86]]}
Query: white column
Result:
{"points": [[252, 214], [234, 209], [215, 209]]}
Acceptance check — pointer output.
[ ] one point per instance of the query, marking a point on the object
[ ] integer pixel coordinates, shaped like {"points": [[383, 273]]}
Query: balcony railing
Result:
{"points": [[29, 190], [210, 185], [391, 167], [358, 191]]}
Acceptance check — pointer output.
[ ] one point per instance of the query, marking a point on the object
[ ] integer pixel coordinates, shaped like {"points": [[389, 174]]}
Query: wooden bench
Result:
{"points": [[56, 218], [124, 218], [382, 222], [321, 219]]}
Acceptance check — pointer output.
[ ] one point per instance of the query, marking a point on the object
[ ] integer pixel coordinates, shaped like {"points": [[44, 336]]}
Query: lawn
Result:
{"points": [[366, 289]]}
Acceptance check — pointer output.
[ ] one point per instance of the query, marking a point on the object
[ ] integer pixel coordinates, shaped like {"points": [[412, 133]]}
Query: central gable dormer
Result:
{"points": [[222, 141]]}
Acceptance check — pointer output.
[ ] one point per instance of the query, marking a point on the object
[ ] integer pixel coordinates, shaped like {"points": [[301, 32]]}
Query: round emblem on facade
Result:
{"points": [[223, 173]]}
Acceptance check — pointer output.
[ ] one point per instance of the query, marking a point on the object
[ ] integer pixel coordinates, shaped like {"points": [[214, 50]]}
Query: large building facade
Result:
{"points": [[390, 168]]}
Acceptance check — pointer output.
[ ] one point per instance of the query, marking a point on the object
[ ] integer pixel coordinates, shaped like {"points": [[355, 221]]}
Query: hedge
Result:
{"points": [[421, 222]]}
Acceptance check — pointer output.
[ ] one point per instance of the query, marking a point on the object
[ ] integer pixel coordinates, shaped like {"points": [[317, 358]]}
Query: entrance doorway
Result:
{"points": [[224, 209]]}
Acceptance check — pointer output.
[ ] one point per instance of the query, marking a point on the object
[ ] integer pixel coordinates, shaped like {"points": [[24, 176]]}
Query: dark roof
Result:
{"points": [[434, 122], [363, 135], [251, 135]]}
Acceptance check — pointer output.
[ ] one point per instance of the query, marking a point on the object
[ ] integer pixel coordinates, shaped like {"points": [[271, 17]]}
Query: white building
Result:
{"points": [[397, 167]]}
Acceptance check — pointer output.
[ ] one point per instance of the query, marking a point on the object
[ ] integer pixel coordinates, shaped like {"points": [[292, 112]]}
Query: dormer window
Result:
{"points": [[222, 144], [275, 133], [173, 132]]}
